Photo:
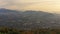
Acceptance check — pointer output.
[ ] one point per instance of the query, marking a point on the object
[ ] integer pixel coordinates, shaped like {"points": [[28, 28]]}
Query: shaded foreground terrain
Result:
{"points": [[4, 30], [28, 22]]}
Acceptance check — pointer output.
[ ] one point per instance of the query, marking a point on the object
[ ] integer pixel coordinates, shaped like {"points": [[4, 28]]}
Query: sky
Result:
{"points": [[43, 5]]}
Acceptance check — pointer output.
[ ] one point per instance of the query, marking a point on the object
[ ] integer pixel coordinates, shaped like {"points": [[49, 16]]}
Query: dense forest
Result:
{"points": [[28, 22]]}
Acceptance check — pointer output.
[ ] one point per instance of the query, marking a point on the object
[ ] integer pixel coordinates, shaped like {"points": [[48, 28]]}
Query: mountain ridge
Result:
{"points": [[28, 19]]}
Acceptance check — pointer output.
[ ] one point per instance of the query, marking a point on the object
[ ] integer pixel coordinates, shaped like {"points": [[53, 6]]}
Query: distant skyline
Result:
{"points": [[43, 5]]}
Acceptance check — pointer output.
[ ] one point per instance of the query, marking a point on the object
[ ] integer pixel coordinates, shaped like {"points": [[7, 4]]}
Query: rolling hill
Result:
{"points": [[28, 19]]}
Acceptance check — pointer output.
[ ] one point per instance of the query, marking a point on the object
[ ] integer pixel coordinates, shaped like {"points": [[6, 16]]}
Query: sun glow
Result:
{"points": [[44, 5]]}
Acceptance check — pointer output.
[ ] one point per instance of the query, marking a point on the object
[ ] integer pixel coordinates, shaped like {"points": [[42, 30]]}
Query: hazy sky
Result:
{"points": [[45, 5]]}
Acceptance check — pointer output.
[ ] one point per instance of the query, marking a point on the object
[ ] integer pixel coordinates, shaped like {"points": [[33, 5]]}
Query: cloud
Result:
{"points": [[2, 3], [15, 4], [12, 4], [51, 5]]}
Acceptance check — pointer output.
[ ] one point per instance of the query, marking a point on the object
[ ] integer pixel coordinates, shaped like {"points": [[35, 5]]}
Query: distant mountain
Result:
{"points": [[28, 19]]}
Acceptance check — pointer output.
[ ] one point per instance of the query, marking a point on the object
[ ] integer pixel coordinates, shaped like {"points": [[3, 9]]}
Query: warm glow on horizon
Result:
{"points": [[43, 5], [47, 5]]}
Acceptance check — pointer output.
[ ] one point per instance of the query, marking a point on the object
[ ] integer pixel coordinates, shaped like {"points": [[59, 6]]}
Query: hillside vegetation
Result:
{"points": [[25, 22]]}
